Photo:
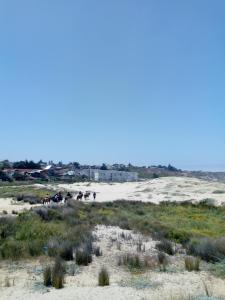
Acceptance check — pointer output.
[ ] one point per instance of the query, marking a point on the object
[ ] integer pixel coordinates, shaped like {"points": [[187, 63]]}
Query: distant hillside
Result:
{"points": [[155, 171], [163, 171], [210, 176]]}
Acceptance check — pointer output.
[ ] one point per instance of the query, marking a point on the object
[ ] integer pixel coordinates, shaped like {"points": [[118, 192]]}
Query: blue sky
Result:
{"points": [[113, 81]]}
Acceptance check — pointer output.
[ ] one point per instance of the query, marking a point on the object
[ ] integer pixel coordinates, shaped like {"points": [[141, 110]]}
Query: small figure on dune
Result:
{"points": [[94, 195]]}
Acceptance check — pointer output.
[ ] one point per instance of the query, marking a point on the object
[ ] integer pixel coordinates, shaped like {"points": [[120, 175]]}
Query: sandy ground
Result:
{"points": [[156, 190], [12, 206], [25, 278]]}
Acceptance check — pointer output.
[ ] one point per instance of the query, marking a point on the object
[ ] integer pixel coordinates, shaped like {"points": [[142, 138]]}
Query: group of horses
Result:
{"points": [[58, 197]]}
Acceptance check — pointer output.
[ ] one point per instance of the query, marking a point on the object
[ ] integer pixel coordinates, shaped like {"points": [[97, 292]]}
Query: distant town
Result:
{"points": [[74, 171]]}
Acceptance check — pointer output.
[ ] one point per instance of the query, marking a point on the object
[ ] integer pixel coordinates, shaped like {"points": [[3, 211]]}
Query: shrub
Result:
{"points": [[66, 251], [31, 199], [208, 202], [218, 269], [13, 249], [58, 272], [103, 277], [35, 247], [165, 246], [42, 212], [218, 192], [131, 261], [210, 250], [192, 263], [163, 261], [4, 212], [53, 247], [47, 276], [88, 246], [83, 258], [58, 280]]}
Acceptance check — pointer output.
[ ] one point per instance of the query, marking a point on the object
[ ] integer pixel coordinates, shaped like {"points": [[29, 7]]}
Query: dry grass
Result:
{"points": [[192, 263]]}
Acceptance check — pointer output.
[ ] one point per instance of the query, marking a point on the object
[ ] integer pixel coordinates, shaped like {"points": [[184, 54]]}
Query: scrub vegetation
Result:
{"points": [[59, 231], [19, 191]]}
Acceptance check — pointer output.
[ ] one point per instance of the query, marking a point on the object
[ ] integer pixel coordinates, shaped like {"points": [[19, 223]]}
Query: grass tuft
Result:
{"points": [[192, 263], [47, 274], [83, 257], [103, 277], [58, 272]]}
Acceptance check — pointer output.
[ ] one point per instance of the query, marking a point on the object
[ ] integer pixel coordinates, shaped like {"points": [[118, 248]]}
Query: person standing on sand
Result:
{"points": [[94, 195]]}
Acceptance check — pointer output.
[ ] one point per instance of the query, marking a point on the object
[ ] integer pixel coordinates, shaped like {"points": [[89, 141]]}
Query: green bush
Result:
{"points": [[210, 250], [192, 263], [103, 277], [13, 249], [165, 246], [218, 269], [35, 247], [75, 221]]}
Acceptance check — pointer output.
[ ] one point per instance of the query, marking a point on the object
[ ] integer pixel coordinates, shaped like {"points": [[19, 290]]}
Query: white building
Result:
{"points": [[107, 175]]}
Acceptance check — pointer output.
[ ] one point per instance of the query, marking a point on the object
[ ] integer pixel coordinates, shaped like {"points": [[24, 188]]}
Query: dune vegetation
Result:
{"points": [[58, 230], [15, 191]]}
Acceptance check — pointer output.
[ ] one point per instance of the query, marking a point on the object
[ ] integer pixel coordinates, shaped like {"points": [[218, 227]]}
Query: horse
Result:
{"points": [[86, 195], [46, 200], [68, 196], [57, 197], [80, 196]]}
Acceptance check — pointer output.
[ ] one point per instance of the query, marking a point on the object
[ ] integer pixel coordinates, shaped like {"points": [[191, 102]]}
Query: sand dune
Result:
{"points": [[156, 190], [26, 277]]}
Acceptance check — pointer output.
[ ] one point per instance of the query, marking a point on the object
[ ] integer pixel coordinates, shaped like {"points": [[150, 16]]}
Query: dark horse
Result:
{"points": [[68, 196], [80, 196], [86, 195], [46, 200], [57, 197]]}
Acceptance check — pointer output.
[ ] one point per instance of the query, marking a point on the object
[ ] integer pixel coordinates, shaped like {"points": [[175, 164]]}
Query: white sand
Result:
{"points": [[26, 277], [156, 190], [9, 205]]}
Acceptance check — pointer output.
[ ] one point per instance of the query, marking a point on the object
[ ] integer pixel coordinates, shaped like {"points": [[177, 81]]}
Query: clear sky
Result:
{"points": [[140, 81]]}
